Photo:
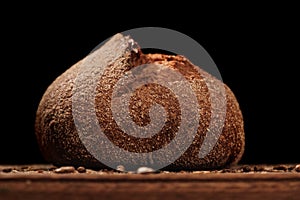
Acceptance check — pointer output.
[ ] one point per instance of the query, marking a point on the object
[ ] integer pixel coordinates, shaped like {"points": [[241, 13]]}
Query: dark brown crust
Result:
{"points": [[59, 141]]}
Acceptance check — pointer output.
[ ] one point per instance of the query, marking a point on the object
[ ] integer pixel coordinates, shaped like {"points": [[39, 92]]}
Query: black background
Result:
{"points": [[255, 50]]}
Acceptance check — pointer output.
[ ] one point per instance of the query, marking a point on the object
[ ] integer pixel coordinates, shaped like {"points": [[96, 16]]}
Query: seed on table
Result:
{"points": [[81, 169], [7, 170], [281, 167], [65, 169], [145, 170], [297, 168], [121, 168], [259, 168], [247, 168]]}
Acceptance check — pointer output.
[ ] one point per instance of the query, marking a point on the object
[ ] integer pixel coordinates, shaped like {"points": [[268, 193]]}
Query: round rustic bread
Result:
{"points": [[67, 132]]}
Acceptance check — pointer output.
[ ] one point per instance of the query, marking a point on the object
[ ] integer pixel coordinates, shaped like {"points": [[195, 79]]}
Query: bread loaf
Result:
{"points": [[161, 108]]}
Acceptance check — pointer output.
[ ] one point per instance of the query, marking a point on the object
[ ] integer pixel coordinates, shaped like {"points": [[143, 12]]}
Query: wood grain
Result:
{"points": [[37, 184]]}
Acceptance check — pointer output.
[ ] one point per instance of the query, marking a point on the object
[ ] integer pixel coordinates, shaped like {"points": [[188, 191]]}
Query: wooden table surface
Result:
{"points": [[41, 182]]}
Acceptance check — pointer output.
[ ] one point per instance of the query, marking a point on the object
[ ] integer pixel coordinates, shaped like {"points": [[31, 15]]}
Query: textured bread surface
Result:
{"points": [[58, 137]]}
